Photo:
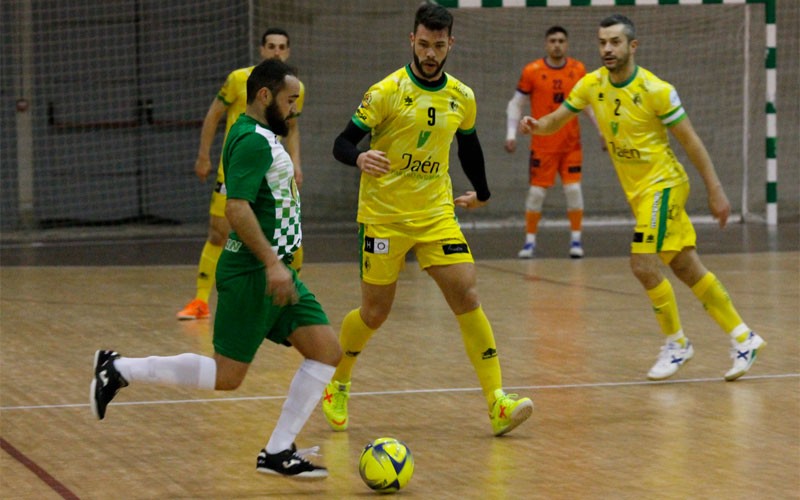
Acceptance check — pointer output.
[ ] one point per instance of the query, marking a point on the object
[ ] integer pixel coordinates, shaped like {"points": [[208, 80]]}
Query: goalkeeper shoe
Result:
{"points": [[334, 405], [508, 411]]}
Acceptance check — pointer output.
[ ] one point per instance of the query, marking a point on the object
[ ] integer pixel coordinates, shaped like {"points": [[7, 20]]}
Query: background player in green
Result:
{"points": [[258, 294], [634, 109], [231, 101], [406, 203]]}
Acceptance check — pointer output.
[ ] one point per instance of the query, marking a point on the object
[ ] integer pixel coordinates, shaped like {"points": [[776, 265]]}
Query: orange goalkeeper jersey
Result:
{"points": [[548, 87]]}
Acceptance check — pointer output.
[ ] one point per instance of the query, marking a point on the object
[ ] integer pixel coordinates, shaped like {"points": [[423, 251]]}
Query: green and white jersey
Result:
{"points": [[414, 125], [258, 169]]}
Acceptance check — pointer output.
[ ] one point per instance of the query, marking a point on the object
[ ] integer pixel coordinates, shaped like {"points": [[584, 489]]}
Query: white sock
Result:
{"points": [[304, 393], [192, 370], [530, 238], [576, 236]]}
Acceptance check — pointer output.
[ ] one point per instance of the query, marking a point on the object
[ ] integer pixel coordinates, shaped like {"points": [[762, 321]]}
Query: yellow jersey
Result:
{"points": [[633, 117], [414, 125]]}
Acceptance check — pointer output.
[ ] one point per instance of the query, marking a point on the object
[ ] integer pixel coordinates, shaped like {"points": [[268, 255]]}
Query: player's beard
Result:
{"points": [[619, 63], [426, 75], [276, 122]]}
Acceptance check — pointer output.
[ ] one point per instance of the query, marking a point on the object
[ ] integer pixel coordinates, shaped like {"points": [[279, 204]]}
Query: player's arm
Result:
{"points": [[470, 154], [698, 154], [280, 285], [548, 124], [345, 149], [202, 165], [292, 144], [514, 111]]}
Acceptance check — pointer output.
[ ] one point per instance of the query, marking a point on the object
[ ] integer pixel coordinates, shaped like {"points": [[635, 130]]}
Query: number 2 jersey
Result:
{"points": [[633, 116], [414, 125]]}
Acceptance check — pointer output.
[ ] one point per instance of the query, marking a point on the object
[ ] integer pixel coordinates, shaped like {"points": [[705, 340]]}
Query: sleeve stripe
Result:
{"points": [[673, 117], [571, 107], [360, 124]]}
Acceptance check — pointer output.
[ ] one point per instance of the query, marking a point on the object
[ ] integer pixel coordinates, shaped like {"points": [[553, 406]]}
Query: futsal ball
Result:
{"points": [[386, 465]]}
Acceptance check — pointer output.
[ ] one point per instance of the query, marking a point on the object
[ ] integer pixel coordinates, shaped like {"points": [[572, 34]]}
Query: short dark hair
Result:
{"points": [[555, 29], [434, 17], [275, 31], [270, 74], [627, 25]]}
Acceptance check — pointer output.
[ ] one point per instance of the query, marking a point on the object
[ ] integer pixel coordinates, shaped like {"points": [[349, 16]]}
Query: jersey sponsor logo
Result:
{"points": [[623, 152], [366, 100], [637, 98], [461, 89], [376, 245], [408, 101], [600, 96], [417, 165], [453, 105], [360, 113], [614, 127], [233, 245], [423, 138], [452, 248], [558, 97]]}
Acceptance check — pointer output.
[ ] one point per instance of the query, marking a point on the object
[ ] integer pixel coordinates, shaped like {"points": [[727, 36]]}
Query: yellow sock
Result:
{"points": [[666, 309], [481, 350], [297, 261], [353, 337], [206, 270], [718, 305]]}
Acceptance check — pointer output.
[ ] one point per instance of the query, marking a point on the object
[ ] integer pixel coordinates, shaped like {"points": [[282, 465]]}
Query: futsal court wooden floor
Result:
{"points": [[578, 337]]}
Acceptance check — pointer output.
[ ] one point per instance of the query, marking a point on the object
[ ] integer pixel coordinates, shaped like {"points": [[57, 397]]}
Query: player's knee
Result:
{"points": [[574, 196], [535, 199], [375, 315]]}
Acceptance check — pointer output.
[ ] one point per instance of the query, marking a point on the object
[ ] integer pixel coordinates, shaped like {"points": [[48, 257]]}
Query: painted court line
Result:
{"points": [[418, 391]]}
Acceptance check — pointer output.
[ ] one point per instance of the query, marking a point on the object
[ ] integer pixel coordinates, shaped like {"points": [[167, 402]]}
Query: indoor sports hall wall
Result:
{"points": [[117, 92]]}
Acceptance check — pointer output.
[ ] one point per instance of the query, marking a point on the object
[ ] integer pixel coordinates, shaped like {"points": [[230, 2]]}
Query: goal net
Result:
{"points": [[116, 92]]}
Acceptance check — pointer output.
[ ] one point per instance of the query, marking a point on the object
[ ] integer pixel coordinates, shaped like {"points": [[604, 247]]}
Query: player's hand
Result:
{"points": [[280, 285], [511, 145], [470, 200], [373, 162], [719, 205], [202, 166], [528, 124]]}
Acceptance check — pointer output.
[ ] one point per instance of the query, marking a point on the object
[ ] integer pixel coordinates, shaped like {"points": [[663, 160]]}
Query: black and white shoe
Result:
{"points": [[290, 463], [106, 383]]}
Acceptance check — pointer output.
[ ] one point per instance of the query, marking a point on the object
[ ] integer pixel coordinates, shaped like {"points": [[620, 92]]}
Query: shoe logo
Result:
{"points": [[288, 464], [489, 353], [339, 422], [677, 360], [328, 397], [502, 412], [742, 354], [103, 377]]}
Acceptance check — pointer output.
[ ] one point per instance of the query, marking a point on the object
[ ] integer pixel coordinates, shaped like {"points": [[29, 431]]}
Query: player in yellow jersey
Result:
{"points": [[232, 101], [634, 110], [406, 203]]}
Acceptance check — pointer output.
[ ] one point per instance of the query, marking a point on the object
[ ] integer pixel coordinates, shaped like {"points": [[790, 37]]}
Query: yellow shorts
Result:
{"points": [[662, 224], [383, 247], [219, 196]]}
